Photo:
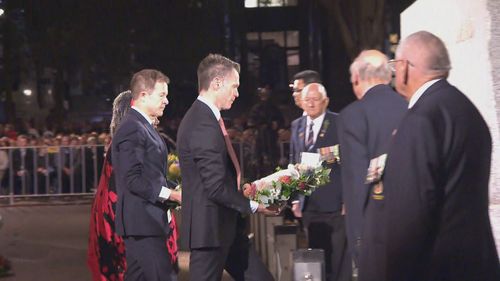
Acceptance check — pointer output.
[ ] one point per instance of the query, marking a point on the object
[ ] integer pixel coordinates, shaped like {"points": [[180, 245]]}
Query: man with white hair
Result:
{"points": [[322, 211], [365, 130], [436, 175]]}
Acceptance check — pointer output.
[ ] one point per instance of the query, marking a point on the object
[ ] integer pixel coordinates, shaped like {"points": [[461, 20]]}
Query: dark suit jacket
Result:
{"points": [[211, 202], [17, 160], [436, 192], [327, 198], [140, 164], [365, 130]]}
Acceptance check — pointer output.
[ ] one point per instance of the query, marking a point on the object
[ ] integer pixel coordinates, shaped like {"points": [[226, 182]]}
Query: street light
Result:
{"points": [[27, 92], [1, 12]]}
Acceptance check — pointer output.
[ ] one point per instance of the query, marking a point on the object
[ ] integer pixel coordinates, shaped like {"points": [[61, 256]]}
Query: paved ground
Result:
{"points": [[49, 243]]}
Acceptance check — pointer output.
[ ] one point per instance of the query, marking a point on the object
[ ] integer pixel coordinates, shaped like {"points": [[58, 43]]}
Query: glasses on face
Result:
{"points": [[307, 100], [392, 63], [295, 89]]}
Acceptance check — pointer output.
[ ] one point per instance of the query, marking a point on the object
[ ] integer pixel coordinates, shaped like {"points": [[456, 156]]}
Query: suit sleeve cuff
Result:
{"points": [[254, 206], [164, 194]]}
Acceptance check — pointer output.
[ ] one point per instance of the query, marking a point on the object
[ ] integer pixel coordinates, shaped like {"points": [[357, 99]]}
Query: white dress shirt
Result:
{"points": [[317, 123], [420, 92]]}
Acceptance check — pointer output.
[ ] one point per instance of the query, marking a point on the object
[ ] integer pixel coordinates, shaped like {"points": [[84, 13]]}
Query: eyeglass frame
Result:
{"points": [[294, 89], [392, 63]]}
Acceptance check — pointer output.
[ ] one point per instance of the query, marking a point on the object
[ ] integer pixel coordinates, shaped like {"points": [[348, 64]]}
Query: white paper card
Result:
{"points": [[310, 159]]}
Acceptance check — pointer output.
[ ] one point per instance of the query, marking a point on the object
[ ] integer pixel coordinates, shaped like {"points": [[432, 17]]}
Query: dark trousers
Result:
{"points": [[372, 261], [327, 231], [147, 259], [240, 260]]}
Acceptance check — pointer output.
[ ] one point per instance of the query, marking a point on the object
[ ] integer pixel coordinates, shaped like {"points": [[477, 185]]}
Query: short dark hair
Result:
{"points": [[212, 66], [146, 80], [309, 76]]}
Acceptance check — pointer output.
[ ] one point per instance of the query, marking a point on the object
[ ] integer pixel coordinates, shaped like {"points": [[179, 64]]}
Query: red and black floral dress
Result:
{"points": [[106, 250]]}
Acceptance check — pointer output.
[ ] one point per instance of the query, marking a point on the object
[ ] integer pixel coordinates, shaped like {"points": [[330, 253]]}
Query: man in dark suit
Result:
{"points": [[22, 164], [140, 163], [322, 211], [212, 203], [365, 130], [435, 184]]}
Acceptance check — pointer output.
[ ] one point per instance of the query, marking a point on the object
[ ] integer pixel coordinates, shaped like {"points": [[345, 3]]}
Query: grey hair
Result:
{"points": [[121, 106], [321, 90], [367, 70], [436, 58]]}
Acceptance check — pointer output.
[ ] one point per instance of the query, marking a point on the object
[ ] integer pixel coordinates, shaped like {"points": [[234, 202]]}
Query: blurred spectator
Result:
{"points": [[68, 163], [249, 161], [266, 118], [284, 145], [10, 132], [45, 172], [94, 157], [30, 129], [22, 165], [4, 166]]}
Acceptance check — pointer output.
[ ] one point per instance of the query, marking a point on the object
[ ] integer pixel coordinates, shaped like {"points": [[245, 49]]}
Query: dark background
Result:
{"points": [[76, 56]]}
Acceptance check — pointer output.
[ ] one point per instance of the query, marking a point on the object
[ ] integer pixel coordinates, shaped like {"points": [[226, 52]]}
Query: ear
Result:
{"points": [[355, 79], [216, 83], [142, 95]]}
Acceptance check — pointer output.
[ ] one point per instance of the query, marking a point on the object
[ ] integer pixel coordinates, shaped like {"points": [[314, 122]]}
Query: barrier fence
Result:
{"points": [[37, 171], [51, 171]]}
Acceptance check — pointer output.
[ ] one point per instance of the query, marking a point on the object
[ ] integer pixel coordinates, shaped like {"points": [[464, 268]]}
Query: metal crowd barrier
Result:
{"points": [[41, 171], [51, 171]]}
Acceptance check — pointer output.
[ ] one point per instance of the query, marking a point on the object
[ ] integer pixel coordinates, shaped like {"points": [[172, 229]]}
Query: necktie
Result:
{"points": [[310, 137], [231, 152]]}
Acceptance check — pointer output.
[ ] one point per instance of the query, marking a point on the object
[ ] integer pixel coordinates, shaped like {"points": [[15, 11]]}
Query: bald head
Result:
{"points": [[371, 65], [420, 57], [370, 68], [427, 52]]}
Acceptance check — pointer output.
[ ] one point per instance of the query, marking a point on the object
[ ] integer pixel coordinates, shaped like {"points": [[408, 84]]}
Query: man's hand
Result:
{"points": [[248, 190], [176, 196], [297, 212], [263, 210]]}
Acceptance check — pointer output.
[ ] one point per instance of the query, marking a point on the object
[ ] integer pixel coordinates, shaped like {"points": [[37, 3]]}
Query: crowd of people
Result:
{"points": [[50, 163], [47, 150]]}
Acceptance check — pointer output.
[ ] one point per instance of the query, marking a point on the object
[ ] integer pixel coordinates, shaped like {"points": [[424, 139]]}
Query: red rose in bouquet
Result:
{"points": [[286, 179]]}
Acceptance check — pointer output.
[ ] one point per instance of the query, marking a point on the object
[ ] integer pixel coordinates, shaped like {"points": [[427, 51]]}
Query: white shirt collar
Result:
{"points": [[317, 123], [143, 115], [318, 120], [212, 106], [420, 92]]}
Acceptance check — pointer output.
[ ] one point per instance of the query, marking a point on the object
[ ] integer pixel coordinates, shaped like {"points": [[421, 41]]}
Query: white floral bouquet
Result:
{"points": [[277, 188]]}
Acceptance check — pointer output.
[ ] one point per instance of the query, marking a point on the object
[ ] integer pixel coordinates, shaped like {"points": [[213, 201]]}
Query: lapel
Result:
{"points": [[326, 135], [301, 133], [152, 132], [433, 88], [206, 112]]}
